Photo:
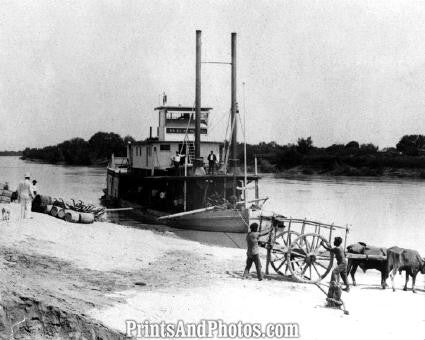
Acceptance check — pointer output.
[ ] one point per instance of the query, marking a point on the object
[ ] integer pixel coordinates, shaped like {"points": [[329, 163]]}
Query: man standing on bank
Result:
{"points": [[252, 253], [212, 159], [25, 196]]}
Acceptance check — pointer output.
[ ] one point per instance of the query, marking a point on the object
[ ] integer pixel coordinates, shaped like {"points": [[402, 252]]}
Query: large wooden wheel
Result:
{"points": [[279, 249], [309, 260]]}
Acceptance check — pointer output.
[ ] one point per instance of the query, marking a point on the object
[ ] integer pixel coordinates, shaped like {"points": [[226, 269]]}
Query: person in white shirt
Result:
{"points": [[176, 159], [25, 196]]}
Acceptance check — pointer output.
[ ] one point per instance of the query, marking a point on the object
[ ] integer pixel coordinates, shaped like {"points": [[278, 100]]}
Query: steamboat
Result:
{"points": [[166, 179]]}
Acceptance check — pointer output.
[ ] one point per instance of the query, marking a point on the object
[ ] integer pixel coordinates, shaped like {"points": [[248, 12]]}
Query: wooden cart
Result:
{"points": [[295, 247]]}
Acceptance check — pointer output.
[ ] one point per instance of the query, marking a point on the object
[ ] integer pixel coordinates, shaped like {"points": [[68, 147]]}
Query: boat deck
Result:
{"points": [[206, 177]]}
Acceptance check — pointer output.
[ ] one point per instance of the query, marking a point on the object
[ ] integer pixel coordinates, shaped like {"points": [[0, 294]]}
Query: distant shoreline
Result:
{"points": [[96, 163], [387, 172], [10, 153], [302, 171]]}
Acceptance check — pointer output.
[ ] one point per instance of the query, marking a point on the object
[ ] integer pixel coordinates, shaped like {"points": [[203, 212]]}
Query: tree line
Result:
{"points": [[77, 151], [352, 158]]}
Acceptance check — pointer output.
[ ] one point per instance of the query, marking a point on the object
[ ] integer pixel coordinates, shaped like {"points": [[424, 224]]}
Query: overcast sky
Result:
{"points": [[333, 70]]}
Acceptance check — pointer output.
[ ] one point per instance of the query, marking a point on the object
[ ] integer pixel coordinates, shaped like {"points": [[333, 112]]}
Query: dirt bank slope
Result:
{"points": [[66, 280]]}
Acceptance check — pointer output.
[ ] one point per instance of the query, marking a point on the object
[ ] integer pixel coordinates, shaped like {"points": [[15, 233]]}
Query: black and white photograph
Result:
{"points": [[185, 169]]}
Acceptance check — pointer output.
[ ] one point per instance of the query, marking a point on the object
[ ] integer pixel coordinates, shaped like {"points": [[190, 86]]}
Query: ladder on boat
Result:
{"points": [[191, 146]]}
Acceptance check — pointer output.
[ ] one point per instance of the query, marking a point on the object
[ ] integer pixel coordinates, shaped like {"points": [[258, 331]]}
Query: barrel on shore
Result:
{"points": [[54, 211], [61, 213], [86, 218], [71, 216]]}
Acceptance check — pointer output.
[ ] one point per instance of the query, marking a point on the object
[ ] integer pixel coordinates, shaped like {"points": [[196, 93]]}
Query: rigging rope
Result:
{"points": [[244, 221], [230, 142], [237, 245]]}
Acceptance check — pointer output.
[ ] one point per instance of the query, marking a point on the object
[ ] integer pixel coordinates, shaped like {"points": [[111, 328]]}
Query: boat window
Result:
{"points": [[164, 147], [179, 115]]}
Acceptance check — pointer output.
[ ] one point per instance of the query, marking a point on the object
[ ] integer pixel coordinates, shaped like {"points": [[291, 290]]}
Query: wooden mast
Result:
{"points": [[233, 118], [198, 99]]}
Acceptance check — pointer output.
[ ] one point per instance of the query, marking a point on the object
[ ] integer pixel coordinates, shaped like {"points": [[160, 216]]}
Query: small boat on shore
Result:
{"points": [[181, 193]]}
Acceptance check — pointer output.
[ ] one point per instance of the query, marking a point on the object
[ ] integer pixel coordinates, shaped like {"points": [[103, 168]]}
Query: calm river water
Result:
{"points": [[382, 212]]}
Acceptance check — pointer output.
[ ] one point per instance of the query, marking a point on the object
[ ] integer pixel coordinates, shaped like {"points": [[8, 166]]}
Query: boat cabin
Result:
{"points": [[175, 133]]}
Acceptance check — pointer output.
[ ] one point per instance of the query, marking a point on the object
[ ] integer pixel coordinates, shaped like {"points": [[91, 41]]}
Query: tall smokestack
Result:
{"points": [[198, 97]]}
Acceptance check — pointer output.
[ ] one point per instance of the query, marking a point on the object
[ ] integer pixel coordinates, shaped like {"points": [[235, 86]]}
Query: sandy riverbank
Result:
{"points": [[67, 279]]}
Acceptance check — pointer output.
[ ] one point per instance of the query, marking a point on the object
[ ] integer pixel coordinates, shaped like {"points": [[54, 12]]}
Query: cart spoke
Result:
{"points": [[297, 260], [280, 266], [278, 251], [307, 245], [315, 268], [321, 265], [312, 243], [275, 259], [318, 244], [289, 239], [305, 269], [297, 253], [295, 263]]}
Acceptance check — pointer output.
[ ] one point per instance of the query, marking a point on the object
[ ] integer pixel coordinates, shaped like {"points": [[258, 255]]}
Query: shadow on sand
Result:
{"points": [[253, 276], [369, 287]]}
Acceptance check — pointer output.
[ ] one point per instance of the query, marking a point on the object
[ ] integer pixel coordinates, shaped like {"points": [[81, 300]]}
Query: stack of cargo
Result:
{"points": [[5, 193], [76, 212]]}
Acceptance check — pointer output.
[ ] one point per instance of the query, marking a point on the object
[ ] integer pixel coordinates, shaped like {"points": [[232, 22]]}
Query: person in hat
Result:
{"points": [[25, 196]]}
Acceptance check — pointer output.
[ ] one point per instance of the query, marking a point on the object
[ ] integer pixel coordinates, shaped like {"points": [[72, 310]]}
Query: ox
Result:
{"points": [[399, 259], [365, 264]]}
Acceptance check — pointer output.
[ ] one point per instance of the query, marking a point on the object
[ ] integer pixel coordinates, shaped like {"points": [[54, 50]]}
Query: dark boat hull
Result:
{"points": [[217, 220]]}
